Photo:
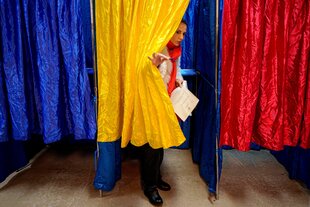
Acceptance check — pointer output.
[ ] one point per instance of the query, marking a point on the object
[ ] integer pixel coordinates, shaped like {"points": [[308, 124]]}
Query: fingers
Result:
{"points": [[158, 58], [163, 57]]}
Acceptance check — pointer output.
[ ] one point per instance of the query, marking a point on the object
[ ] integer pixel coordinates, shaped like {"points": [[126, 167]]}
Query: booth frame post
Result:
{"points": [[93, 31], [216, 91], [94, 50]]}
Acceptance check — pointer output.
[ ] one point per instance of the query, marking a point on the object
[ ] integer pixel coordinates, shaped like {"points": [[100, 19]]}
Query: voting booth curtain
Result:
{"points": [[44, 86], [265, 74], [265, 80], [133, 101]]}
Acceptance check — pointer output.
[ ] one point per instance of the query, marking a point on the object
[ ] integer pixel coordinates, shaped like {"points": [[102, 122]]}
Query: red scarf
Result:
{"points": [[174, 53]]}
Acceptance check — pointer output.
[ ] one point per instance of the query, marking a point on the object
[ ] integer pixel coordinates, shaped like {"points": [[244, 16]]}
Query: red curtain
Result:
{"points": [[265, 74]]}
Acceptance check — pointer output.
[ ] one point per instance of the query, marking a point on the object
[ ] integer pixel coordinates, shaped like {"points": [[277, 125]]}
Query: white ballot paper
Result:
{"points": [[183, 101]]}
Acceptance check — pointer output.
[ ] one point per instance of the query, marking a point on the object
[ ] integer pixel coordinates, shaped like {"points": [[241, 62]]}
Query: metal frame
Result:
{"points": [[94, 50], [216, 90], [93, 29]]}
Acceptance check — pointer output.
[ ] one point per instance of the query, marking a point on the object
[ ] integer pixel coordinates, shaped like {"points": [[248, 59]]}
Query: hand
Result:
{"points": [[158, 58], [178, 83]]}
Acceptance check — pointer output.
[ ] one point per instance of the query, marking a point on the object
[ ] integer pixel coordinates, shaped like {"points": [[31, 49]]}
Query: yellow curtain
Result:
{"points": [[133, 101]]}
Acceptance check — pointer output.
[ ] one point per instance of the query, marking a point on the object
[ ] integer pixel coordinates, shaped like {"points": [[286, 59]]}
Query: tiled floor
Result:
{"points": [[64, 178]]}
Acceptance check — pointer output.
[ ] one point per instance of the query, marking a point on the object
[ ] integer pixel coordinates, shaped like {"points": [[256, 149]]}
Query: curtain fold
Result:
{"points": [[133, 101], [265, 74], [44, 82]]}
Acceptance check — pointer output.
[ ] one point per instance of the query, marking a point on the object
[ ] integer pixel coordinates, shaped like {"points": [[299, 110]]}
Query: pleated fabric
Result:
{"points": [[132, 100], [265, 74], [44, 85]]}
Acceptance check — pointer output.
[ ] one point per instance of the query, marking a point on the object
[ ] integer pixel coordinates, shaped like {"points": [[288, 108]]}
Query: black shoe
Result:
{"points": [[153, 196], [162, 185]]}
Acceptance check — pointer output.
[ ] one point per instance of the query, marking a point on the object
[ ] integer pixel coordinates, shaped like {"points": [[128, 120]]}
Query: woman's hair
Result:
{"points": [[184, 22]]}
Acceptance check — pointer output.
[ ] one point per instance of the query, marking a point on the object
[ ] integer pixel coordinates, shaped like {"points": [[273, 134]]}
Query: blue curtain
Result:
{"points": [[108, 165], [43, 81], [296, 160], [199, 45], [188, 44], [87, 31], [44, 88]]}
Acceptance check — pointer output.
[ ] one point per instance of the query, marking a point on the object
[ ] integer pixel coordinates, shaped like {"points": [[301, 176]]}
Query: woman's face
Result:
{"points": [[179, 34]]}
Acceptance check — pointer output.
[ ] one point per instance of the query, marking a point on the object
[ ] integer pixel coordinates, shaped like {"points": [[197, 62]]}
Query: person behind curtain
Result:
{"points": [[168, 64]]}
